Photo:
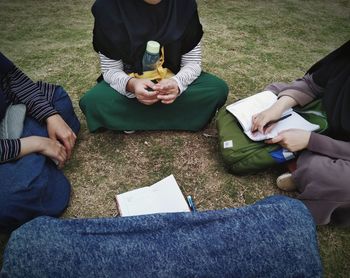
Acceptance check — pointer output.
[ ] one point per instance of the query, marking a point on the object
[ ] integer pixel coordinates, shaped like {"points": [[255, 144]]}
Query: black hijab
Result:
{"points": [[5, 67], [123, 27], [332, 73]]}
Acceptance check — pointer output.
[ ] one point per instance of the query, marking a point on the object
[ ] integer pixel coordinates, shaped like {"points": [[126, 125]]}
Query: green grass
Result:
{"points": [[247, 43]]}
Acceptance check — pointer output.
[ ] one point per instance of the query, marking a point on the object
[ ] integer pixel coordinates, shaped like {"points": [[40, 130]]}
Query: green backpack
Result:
{"points": [[243, 156]]}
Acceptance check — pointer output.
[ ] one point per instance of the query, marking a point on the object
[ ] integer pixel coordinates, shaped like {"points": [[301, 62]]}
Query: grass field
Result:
{"points": [[247, 43]]}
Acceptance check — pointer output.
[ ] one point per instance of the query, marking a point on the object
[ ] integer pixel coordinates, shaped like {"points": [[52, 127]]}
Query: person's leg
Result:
{"points": [[273, 238], [31, 186], [63, 105], [323, 184], [106, 108]]}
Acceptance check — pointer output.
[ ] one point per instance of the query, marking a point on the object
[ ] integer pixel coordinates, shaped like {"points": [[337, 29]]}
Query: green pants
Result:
{"points": [[192, 110]]}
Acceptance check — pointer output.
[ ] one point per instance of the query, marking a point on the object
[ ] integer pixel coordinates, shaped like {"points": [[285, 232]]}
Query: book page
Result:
{"points": [[163, 196], [295, 121], [244, 109]]}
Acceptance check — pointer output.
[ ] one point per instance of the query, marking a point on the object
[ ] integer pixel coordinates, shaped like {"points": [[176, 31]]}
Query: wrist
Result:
{"points": [[52, 118], [177, 84], [31, 144], [130, 85], [287, 102]]}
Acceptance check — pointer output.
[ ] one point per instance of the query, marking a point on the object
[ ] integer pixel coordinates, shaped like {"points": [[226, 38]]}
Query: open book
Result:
{"points": [[163, 196], [244, 110]]}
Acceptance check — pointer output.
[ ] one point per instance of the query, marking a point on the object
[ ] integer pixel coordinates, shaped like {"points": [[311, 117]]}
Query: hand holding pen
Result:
{"points": [[260, 121], [265, 120], [269, 126], [270, 123]]}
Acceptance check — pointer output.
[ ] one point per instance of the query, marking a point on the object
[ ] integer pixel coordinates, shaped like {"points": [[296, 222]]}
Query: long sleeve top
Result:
{"points": [[115, 76], [303, 91], [17, 88]]}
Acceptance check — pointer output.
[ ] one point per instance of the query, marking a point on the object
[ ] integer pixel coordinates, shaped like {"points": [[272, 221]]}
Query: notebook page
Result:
{"points": [[244, 109], [295, 121], [163, 196]]}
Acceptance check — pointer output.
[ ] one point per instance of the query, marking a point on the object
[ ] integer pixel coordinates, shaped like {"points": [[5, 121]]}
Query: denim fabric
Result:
{"points": [[33, 186], [276, 237]]}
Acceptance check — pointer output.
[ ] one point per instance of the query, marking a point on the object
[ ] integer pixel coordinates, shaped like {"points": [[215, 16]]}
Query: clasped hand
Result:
{"points": [[58, 146], [149, 93]]}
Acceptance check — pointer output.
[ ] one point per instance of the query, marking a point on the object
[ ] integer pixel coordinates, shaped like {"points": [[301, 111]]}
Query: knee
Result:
{"points": [[218, 87], [309, 166], [221, 90], [89, 101], [61, 97], [62, 101], [319, 169]]}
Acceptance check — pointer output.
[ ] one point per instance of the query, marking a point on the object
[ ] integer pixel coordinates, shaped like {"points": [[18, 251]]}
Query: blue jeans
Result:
{"points": [[275, 237], [32, 185]]}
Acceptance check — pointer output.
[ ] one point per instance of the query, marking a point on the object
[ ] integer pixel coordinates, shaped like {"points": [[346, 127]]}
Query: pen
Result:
{"points": [[191, 203], [270, 123]]}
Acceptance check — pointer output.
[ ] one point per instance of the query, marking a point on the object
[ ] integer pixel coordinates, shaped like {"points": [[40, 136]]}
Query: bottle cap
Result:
{"points": [[153, 47]]}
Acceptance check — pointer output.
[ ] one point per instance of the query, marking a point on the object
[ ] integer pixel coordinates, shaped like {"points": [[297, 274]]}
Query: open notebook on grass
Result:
{"points": [[163, 196], [244, 110]]}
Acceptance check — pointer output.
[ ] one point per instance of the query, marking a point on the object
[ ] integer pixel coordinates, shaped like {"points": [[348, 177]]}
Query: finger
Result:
{"points": [[254, 127], [275, 140], [166, 87], [52, 135], [67, 145], [71, 143], [148, 102], [158, 87], [268, 129], [149, 83], [168, 101], [254, 123], [167, 97], [73, 140], [60, 164], [260, 128], [262, 125], [59, 160], [146, 94]]}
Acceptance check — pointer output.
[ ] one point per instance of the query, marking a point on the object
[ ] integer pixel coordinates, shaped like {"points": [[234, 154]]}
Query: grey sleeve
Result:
{"points": [[303, 90], [328, 146]]}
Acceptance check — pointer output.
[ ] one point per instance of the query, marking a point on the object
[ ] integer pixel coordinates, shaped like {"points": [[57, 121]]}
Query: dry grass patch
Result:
{"points": [[247, 43]]}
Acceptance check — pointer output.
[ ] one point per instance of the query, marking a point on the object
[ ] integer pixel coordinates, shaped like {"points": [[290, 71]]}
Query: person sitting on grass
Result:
{"points": [[323, 167], [176, 95], [31, 145]]}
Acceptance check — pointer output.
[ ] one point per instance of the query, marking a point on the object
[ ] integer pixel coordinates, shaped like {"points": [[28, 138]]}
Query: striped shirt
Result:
{"points": [[19, 88], [113, 71]]}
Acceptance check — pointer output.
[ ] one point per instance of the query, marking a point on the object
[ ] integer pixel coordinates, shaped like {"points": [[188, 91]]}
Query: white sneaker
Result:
{"points": [[129, 131], [286, 182]]}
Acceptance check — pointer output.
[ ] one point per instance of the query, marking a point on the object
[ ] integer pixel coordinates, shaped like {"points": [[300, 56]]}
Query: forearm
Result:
{"points": [[303, 90], [114, 75], [30, 145], [283, 103], [190, 68], [21, 89]]}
